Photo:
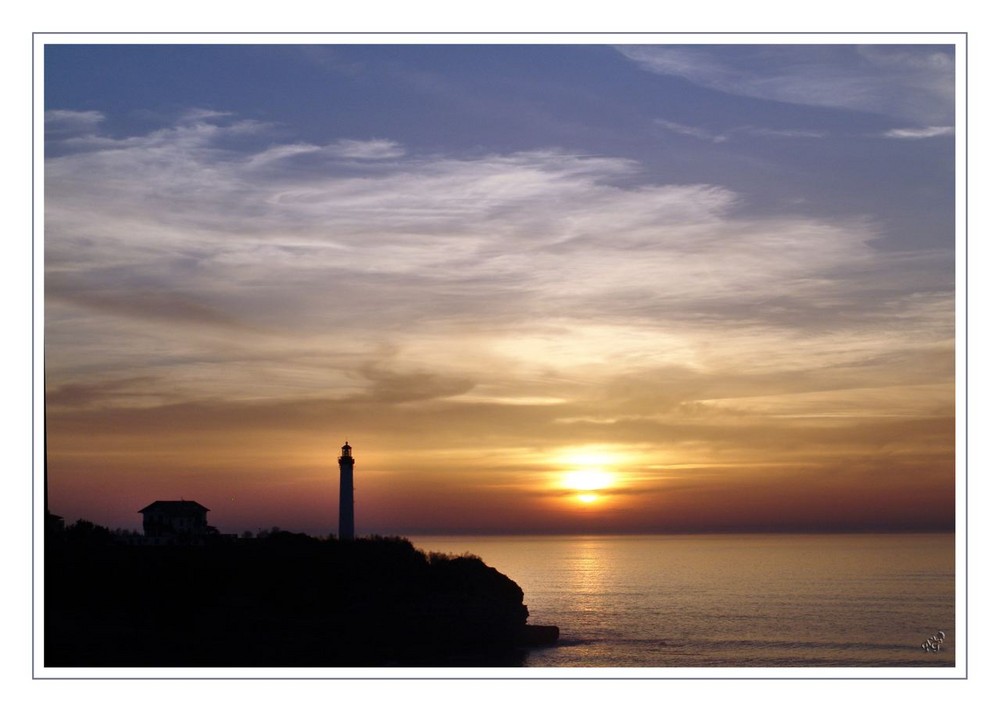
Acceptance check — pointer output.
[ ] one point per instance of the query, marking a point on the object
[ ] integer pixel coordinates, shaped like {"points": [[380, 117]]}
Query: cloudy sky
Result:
{"points": [[539, 288]]}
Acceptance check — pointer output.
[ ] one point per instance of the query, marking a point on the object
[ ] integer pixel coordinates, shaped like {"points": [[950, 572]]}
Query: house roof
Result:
{"points": [[174, 507]]}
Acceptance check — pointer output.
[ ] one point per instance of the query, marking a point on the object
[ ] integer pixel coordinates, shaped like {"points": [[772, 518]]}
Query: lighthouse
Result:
{"points": [[346, 493]]}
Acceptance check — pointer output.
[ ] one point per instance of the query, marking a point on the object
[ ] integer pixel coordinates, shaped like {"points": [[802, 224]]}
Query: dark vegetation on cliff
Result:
{"points": [[280, 599]]}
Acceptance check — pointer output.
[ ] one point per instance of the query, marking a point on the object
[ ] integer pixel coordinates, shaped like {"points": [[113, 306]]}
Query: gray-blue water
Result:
{"points": [[847, 600]]}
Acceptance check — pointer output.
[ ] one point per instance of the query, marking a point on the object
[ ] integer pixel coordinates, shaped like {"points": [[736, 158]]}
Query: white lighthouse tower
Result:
{"points": [[346, 493]]}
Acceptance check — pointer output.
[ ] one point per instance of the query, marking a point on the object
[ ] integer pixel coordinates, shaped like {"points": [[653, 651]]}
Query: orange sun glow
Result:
{"points": [[585, 476]]}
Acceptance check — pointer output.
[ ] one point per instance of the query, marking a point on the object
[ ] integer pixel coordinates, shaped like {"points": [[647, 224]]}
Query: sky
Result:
{"points": [[539, 288]]}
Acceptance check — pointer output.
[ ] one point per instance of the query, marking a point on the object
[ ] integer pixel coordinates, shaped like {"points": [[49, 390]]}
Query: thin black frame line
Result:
{"points": [[512, 32]]}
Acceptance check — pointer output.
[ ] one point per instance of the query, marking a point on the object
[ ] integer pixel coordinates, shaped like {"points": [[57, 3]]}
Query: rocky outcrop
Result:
{"points": [[279, 600], [535, 635]]}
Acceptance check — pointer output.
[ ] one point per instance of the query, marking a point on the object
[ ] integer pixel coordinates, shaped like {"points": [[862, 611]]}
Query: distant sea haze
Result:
{"points": [[760, 600]]}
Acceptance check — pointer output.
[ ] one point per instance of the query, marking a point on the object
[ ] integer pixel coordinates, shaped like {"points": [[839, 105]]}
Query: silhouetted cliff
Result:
{"points": [[278, 600]]}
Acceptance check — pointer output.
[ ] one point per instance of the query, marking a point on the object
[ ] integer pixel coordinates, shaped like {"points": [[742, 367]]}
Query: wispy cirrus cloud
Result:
{"points": [[784, 133], [704, 134], [695, 131], [920, 132], [371, 150], [280, 153], [721, 136], [525, 263], [200, 114], [912, 81], [62, 122]]}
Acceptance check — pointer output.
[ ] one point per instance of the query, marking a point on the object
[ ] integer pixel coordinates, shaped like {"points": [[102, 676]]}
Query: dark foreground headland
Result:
{"points": [[277, 600]]}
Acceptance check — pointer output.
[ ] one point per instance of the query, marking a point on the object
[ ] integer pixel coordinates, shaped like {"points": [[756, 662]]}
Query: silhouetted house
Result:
{"points": [[168, 522]]}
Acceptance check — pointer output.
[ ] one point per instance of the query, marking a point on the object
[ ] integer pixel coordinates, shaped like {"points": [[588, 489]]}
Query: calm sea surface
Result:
{"points": [[849, 600]]}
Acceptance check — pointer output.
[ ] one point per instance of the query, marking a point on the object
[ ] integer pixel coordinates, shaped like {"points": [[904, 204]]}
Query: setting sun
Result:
{"points": [[585, 472], [588, 480]]}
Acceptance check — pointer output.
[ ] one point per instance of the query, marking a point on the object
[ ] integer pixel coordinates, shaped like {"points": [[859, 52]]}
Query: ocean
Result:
{"points": [[709, 601]]}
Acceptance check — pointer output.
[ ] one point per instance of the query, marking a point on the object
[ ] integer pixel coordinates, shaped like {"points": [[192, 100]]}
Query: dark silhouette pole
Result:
{"points": [[346, 493]]}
